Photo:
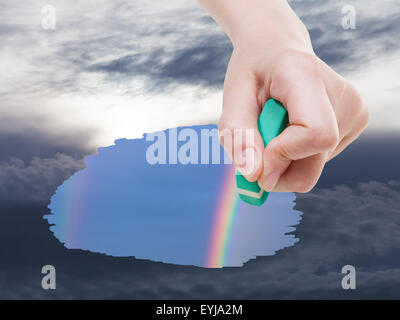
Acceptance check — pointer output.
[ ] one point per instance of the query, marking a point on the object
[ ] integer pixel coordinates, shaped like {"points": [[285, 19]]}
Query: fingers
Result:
{"points": [[356, 120], [238, 123], [352, 114], [295, 143], [312, 129], [326, 114], [302, 175]]}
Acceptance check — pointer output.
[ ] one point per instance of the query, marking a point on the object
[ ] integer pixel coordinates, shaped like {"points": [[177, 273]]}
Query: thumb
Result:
{"points": [[238, 124]]}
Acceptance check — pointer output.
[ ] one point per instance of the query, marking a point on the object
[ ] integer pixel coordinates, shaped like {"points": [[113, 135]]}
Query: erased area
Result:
{"points": [[189, 214]]}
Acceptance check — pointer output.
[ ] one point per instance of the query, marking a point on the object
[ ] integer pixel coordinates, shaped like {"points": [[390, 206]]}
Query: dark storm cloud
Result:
{"points": [[31, 167], [201, 64], [116, 43], [375, 35], [204, 58], [35, 181], [341, 225], [179, 54], [40, 144], [121, 40], [371, 157], [353, 224], [179, 46], [34, 163]]}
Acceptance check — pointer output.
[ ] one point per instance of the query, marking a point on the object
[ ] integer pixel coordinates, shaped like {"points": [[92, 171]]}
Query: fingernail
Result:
{"points": [[248, 162], [268, 183]]}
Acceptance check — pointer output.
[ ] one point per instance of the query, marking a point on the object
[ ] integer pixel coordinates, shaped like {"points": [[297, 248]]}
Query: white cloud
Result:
{"points": [[379, 85], [47, 82], [44, 84]]}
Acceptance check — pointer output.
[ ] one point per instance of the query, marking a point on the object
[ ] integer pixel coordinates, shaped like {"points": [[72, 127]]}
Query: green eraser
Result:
{"points": [[273, 120]]}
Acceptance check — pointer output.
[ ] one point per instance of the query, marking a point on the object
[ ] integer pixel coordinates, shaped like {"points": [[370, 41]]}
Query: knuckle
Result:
{"points": [[357, 108], [272, 146], [225, 134], [223, 124], [290, 66], [227, 124], [292, 60], [354, 100], [324, 139], [277, 149], [305, 185], [365, 117]]}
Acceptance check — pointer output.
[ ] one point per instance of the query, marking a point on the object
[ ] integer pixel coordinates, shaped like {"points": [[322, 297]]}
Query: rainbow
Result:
{"points": [[223, 222], [70, 204]]}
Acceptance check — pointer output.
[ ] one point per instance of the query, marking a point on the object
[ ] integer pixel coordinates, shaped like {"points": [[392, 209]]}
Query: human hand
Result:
{"points": [[325, 111]]}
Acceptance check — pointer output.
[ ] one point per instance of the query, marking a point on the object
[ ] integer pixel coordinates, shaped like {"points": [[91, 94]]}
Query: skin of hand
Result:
{"points": [[273, 58]]}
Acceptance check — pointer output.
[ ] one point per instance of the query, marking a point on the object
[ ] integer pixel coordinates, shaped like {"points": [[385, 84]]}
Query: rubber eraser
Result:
{"points": [[272, 121]]}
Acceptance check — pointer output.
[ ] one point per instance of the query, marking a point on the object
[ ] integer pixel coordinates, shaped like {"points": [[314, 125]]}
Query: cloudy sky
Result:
{"points": [[118, 69]]}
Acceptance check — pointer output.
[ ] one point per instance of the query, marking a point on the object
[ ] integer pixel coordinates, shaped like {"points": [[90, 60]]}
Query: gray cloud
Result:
{"points": [[119, 54], [204, 58], [203, 64], [371, 157], [348, 50], [186, 47], [36, 180], [341, 225], [120, 41], [41, 144]]}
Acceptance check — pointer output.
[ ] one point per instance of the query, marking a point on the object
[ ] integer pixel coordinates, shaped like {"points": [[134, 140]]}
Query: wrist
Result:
{"points": [[269, 27], [258, 22]]}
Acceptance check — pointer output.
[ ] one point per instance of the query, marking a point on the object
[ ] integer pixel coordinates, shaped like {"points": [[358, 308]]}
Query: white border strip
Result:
{"points": [[251, 193]]}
